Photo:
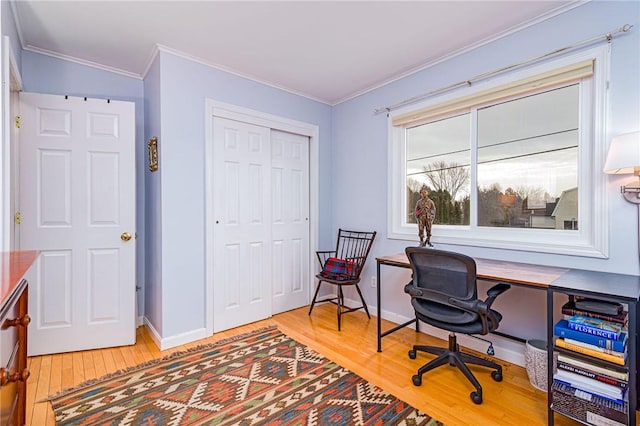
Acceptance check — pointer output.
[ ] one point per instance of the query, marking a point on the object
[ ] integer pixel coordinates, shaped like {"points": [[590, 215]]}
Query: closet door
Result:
{"points": [[242, 223], [290, 220]]}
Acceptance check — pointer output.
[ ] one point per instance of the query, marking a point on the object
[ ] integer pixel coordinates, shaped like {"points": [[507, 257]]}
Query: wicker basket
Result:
{"points": [[535, 358]]}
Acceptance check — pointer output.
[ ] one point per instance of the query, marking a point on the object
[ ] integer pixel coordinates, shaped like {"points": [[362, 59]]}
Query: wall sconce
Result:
{"points": [[152, 147], [624, 158]]}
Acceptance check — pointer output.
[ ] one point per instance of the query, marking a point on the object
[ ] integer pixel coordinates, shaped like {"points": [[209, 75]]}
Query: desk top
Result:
{"points": [[530, 275], [13, 266]]}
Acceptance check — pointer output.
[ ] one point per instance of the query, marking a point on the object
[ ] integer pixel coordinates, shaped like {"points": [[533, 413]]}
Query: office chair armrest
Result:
{"points": [[479, 307], [474, 306], [496, 291], [412, 290]]}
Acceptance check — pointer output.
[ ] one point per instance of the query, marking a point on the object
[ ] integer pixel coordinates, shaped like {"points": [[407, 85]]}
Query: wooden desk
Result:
{"points": [[521, 274], [572, 282]]}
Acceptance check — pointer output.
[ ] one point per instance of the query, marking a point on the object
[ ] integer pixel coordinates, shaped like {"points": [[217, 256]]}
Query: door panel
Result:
{"points": [[290, 220], [77, 196], [242, 233]]}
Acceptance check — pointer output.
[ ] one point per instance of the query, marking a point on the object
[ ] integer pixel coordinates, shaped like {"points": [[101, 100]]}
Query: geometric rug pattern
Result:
{"points": [[259, 378]]}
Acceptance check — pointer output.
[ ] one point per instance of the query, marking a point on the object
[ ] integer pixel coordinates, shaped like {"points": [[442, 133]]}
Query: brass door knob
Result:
{"points": [[125, 236], [22, 321]]}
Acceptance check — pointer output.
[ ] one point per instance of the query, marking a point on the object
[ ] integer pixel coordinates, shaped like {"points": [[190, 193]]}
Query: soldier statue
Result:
{"points": [[425, 214]]}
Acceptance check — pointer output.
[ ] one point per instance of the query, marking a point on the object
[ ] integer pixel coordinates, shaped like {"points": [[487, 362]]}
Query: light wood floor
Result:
{"points": [[444, 393]]}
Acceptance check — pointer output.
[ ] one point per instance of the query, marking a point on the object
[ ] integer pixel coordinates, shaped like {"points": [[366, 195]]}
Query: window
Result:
{"points": [[513, 163]]}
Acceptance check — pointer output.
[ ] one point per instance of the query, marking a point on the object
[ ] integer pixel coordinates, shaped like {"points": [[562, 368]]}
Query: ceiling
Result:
{"points": [[329, 51]]}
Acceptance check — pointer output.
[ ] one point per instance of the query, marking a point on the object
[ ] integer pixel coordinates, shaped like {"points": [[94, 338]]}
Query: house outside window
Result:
{"points": [[513, 163]]}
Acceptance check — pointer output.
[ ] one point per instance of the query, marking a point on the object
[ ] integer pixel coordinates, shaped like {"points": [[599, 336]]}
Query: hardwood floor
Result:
{"points": [[444, 393]]}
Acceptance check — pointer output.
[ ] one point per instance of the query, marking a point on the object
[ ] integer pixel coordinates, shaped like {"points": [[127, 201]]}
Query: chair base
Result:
{"points": [[339, 301], [454, 357]]}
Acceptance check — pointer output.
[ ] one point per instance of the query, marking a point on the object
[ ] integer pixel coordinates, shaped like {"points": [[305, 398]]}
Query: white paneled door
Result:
{"points": [[77, 205], [242, 230], [289, 220], [261, 222]]}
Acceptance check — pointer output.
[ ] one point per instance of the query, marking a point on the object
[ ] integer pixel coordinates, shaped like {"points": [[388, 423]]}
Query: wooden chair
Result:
{"points": [[352, 249]]}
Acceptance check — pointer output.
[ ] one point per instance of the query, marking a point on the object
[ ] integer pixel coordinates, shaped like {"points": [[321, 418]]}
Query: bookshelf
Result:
{"points": [[603, 405]]}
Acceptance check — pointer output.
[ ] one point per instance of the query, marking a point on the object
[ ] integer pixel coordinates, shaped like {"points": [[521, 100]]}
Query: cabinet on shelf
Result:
{"points": [[593, 386]]}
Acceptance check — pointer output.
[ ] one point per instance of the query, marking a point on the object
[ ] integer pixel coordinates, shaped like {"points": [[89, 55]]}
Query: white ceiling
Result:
{"points": [[326, 50]]}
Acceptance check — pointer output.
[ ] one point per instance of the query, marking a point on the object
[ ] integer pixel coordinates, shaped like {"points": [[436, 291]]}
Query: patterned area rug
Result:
{"points": [[259, 378]]}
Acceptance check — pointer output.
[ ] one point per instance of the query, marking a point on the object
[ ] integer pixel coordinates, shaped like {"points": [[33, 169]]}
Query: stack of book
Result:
{"points": [[599, 333]]}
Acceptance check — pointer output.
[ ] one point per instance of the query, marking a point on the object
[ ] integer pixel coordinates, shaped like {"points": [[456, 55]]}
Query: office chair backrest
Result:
{"points": [[354, 246], [443, 272]]}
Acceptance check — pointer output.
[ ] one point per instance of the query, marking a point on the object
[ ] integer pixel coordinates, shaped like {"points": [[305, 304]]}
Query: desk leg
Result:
{"points": [[550, 349], [379, 307]]}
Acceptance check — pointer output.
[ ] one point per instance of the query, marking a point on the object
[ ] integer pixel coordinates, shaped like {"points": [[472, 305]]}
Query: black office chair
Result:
{"points": [[444, 294], [342, 267]]}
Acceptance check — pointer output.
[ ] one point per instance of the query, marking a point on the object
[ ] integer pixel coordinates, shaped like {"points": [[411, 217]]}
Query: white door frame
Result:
{"points": [[11, 81], [234, 112]]}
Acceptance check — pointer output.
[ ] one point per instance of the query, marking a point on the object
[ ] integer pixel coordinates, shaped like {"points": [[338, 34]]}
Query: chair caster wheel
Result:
{"points": [[496, 375], [412, 354], [476, 397], [417, 380]]}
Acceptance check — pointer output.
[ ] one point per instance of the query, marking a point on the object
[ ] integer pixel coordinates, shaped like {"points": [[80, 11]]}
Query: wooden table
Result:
{"points": [[521, 274]]}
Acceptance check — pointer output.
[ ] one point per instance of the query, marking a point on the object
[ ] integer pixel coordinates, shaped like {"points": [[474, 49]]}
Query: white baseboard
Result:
{"points": [[177, 340]]}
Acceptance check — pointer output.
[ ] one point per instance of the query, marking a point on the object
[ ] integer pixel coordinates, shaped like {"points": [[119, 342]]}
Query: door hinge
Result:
{"points": [[17, 121], [17, 218]]}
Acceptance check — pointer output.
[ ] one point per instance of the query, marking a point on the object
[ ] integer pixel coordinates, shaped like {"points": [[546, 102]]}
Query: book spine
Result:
{"points": [[592, 367], [620, 319], [620, 406], [588, 393], [592, 375], [593, 404], [595, 354], [607, 334], [594, 347], [562, 330]]}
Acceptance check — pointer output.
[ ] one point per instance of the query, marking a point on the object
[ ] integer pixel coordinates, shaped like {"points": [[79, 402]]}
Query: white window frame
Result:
{"points": [[592, 237]]}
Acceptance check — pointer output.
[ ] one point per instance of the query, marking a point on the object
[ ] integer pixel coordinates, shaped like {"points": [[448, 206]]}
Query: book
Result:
{"points": [[561, 329], [596, 326], [594, 347], [587, 407], [560, 342], [599, 306], [589, 385], [600, 377], [570, 309], [622, 375], [584, 394]]}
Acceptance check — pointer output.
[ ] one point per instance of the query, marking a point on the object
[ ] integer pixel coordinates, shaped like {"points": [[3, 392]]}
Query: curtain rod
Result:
{"points": [[608, 37]]}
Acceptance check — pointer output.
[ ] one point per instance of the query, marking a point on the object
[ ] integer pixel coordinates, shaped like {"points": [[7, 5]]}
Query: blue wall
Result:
{"points": [[152, 206], [353, 154], [184, 87], [356, 130], [45, 74]]}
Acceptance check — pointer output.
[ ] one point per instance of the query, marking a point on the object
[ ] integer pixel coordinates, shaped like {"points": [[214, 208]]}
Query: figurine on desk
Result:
{"points": [[425, 214]]}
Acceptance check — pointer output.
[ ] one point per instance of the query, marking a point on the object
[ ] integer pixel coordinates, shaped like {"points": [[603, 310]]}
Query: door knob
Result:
{"points": [[125, 236]]}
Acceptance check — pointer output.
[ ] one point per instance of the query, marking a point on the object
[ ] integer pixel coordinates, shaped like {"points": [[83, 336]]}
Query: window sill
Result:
{"points": [[571, 243]]}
